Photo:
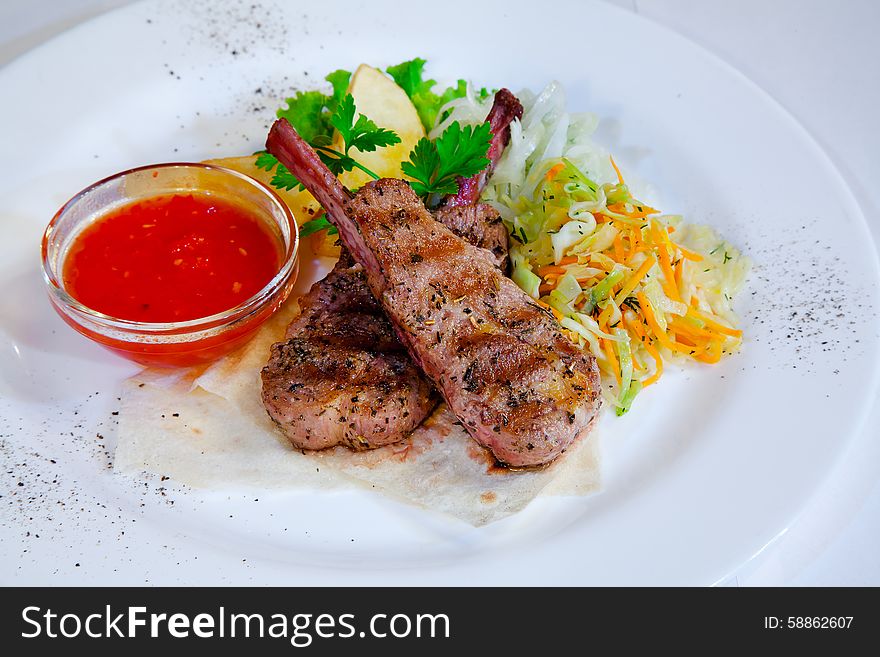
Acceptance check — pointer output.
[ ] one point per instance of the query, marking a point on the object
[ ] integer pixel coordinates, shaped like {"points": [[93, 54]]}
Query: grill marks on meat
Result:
{"points": [[518, 385], [342, 377], [479, 225]]}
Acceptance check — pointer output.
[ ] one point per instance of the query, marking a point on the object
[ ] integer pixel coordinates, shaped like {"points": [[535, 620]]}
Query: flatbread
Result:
{"points": [[208, 429]]}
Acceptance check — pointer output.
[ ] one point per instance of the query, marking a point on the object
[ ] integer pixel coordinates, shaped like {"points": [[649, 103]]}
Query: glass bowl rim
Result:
{"points": [[240, 311]]}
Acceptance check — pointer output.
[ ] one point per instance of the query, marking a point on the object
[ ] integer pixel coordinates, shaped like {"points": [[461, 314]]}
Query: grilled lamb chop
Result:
{"points": [[501, 362], [480, 225], [342, 376]]}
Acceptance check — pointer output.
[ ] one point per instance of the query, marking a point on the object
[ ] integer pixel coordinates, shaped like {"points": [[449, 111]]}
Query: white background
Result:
{"points": [[821, 61]]}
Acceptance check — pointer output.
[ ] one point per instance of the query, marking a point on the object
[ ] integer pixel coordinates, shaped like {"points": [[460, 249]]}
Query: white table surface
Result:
{"points": [[821, 61]]}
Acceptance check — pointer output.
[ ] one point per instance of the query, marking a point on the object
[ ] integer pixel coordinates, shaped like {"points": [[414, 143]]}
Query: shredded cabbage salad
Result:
{"points": [[634, 286]]}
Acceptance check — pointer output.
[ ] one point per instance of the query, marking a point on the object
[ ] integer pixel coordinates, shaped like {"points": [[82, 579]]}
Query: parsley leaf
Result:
{"points": [[265, 161], [314, 225], [343, 117], [309, 114], [463, 150], [458, 152], [283, 178], [363, 134], [424, 160]]}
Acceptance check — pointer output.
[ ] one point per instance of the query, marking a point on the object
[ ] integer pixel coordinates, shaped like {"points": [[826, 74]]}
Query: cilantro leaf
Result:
{"points": [[316, 224], [436, 165]]}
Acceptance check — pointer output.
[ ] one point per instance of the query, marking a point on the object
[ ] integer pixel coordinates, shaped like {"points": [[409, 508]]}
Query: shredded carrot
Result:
{"points": [[551, 270], [638, 212], [634, 326], [687, 329], [686, 340], [546, 288], [711, 323], [551, 174], [658, 362], [712, 354], [616, 170], [651, 319], [658, 235], [687, 253], [634, 280], [557, 270], [655, 327], [606, 314], [618, 248], [634, 234], [609, 351], [669, 286]]}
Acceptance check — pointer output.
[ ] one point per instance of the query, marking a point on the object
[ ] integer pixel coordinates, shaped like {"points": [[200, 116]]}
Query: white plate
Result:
{"points": [[708, 468]]}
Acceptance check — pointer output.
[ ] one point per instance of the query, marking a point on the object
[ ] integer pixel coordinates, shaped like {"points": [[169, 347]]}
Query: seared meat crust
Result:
{"points": [[342, 377]]}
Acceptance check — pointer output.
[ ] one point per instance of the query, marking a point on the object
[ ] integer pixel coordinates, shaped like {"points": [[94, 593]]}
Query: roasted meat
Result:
{"points": [[501, 362], [480, 225], [342, 377]]}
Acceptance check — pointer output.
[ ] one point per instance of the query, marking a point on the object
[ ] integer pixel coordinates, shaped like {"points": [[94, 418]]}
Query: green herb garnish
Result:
{"points": [[359, 133], [314, 225], [435, 165]]}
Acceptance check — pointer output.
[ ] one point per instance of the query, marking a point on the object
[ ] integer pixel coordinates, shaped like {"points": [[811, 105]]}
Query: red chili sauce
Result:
{"points": [[171, 258]]}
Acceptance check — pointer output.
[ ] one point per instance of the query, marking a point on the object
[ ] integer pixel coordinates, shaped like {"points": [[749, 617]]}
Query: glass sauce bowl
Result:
{"points": [[171, 344]]}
